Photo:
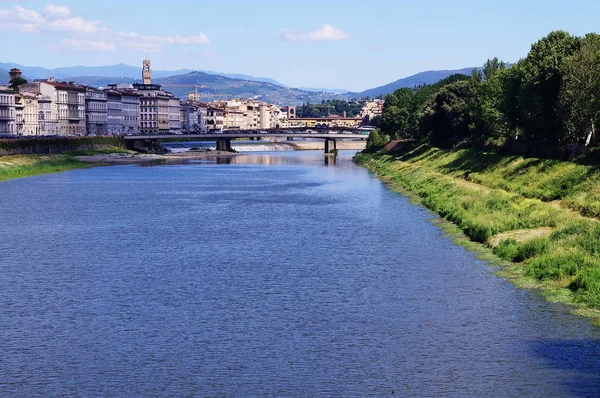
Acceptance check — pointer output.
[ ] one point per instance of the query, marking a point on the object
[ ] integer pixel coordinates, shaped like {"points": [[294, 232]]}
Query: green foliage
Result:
{"points": [[580, 94], [99, 151], [511, 250], [376, 141], [447, 119], [404, 108], [31, 165], [541, 80], [486, 194], [541, 106], [16, 83], [330, 107]]}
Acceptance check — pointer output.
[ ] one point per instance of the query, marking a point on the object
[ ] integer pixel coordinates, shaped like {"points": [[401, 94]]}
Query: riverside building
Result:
{"points": [[7, 111]]}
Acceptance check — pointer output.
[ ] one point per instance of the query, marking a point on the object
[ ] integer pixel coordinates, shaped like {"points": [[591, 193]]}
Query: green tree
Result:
{"points": [[491, 67], [447, 120], [580, 95], [540, 86], [16, 83], [376, 141]]}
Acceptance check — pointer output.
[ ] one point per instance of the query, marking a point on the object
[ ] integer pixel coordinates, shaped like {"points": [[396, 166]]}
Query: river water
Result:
{"points": [[271, 276]]}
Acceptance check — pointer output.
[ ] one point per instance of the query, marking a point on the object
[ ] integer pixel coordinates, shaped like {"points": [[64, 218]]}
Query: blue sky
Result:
{"points": [[312, 43]]}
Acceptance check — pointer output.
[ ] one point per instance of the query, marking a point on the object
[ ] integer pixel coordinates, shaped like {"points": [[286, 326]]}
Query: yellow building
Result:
{"points": [[324, 122]]}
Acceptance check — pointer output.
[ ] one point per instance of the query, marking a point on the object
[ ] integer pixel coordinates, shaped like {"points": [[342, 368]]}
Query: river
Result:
{"points": [[270, 276]]}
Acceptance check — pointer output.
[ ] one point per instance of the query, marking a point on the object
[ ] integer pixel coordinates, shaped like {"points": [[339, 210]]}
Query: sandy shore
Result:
{"points": [[126, 158], [320, 145]]}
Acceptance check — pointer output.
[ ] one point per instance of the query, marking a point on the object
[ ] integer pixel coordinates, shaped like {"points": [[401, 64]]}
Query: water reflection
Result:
{"points": [[330, 159], [308, 158]]}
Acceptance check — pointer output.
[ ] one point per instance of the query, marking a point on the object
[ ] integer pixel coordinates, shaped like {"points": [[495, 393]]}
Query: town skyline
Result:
{"points": [[319, 44]]}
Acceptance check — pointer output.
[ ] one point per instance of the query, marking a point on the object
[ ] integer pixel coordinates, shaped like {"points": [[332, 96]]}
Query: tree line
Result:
{"points": [[330, 107], [545, 104]]}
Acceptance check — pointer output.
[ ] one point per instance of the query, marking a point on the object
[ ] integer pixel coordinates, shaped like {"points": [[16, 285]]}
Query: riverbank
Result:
{"points": [[538, 217], [20, 166]]}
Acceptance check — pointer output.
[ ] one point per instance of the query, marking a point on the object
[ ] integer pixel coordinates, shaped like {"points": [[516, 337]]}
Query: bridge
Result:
{"points": [[224, 138]]}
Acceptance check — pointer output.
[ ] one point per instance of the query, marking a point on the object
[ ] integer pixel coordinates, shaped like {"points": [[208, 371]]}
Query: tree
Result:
{"points": [[540, 85], [447, 119], [580, 94], [491, 67], [16, 83], [376, 141]]}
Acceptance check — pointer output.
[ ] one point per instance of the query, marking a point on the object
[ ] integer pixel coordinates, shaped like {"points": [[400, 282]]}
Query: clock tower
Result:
{"points": [[146, 72]]}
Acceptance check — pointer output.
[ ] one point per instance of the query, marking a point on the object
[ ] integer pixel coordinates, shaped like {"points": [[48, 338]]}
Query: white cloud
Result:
{"points": [[20, 14], [57, 11], [325, 33], [200, 39], [87, 45], [61, 19], [75, 24], [30, 21]]}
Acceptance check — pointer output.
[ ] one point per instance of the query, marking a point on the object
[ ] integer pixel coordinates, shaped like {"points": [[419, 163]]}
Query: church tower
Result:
{"points": [[146, 72]]}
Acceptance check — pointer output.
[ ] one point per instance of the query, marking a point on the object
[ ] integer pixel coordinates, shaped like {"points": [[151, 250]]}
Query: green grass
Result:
{"points": [[20, 166], [100, 151], [489, 195]]}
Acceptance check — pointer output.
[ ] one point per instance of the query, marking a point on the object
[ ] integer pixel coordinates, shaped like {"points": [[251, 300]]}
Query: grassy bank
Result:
{"points": [[537, 215], [19, 166], [99, 151]]}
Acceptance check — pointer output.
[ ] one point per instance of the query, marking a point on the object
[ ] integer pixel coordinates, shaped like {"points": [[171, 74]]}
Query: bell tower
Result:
{"points": [[147, 72]]}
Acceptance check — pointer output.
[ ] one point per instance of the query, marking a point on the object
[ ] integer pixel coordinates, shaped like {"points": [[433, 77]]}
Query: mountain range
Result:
{"points": [[218, 85], [428, 77]]}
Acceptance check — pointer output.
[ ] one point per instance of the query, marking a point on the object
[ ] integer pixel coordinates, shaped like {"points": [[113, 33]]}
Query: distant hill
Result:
{"points": [[4, 78], [217, 87], [324, 90], [429, 77], [221, 87], [245, 77], [119, 70]]}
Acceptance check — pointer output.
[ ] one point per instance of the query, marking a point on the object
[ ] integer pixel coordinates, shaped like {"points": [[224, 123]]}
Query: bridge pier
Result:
{"points": [[330, 146], [224, 145]]}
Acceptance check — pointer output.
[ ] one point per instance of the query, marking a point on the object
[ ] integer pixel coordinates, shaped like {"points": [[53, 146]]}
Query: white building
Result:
{"points": [[174, 114], [96, 111], [7, 111]]}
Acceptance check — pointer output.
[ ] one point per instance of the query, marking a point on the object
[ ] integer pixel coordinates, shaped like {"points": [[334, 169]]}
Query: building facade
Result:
{"points": [[215, 119], [7, 111], [96, 111], [47, 124], [174, 115], [131, 111], [31, 125], [70, 102], [114, 102]]}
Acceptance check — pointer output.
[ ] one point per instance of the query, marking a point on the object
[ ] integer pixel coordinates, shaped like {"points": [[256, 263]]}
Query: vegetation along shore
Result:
{"points": [[509, 156]]}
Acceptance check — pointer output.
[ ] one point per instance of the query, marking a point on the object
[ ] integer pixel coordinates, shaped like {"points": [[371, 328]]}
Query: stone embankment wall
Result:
{"points": [[57, 145]]}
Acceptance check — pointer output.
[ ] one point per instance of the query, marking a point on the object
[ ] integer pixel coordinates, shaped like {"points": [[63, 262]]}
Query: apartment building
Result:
{"points": [[19, 117], [114, 105], [163, 112], [70, 106], [7, 111], [174, 115], [131, 110], [215, 118], [29, 115], [96, 111]]}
